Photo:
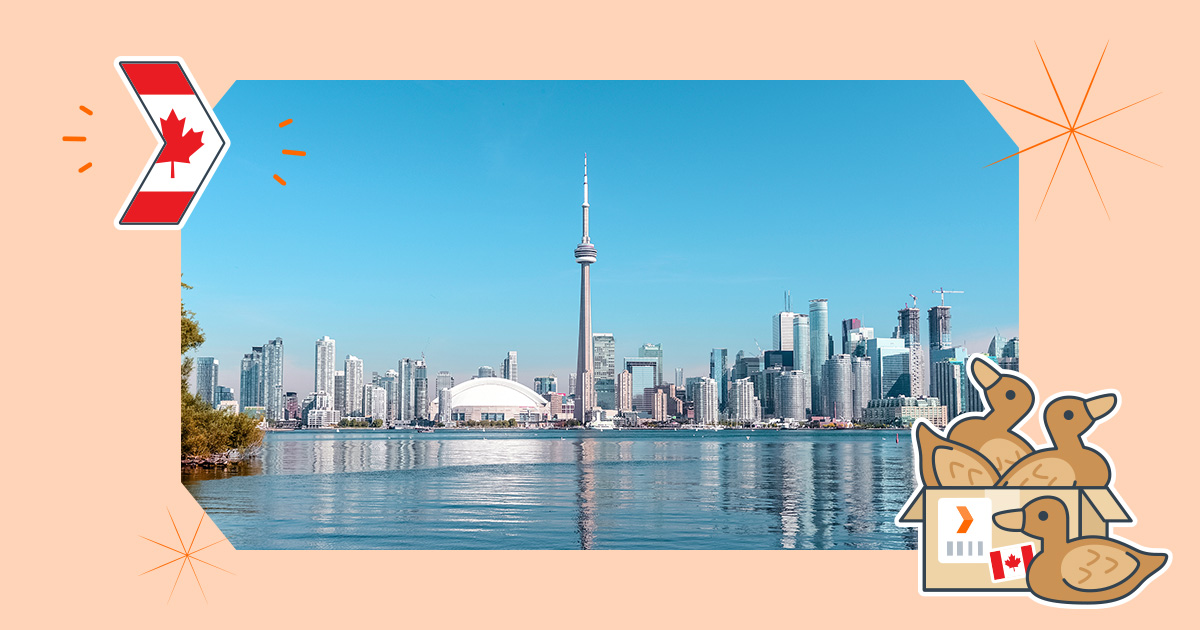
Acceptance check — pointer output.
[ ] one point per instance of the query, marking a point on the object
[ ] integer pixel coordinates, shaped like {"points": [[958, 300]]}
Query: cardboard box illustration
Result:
{"points": [[958, 534]]}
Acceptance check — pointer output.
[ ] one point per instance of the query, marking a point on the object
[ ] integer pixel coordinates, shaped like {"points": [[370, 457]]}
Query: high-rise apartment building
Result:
{"points": [[273, 378], [443, 380], [326, 365], [744, 406], [206, 380], [946, 384], [939, 328], [909, 324], [678, 378], [707, 402], [801, 344], [390, 382], [508, 367], [624, 391], [339, 391], [838, 381], [354, 386], [377, 407], [250, 393], [421, 389], [571, 383], [486, 371], [791, 396], [861, 373], [818, 331], [545, 384], [847, 326], [718, 371]]}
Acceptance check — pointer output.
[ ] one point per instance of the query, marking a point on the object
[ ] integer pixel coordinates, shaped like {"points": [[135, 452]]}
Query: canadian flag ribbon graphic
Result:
{"points": [[1011, 562], [191, 143]]}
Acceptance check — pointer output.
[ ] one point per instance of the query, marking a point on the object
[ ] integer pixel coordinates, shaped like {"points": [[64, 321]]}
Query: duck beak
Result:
{"points": [[1011, 520], [1100, 406], [985, 374]]}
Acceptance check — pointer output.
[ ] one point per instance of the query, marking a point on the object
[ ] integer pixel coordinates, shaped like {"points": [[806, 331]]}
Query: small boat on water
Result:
{"points": [[424, 429]]}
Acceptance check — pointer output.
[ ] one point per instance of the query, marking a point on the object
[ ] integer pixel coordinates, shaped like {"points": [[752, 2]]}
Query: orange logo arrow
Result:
{"points": [[967, 520]]}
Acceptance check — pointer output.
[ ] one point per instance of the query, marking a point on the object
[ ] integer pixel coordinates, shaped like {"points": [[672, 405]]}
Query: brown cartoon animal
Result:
{"points": [[1010, 398], [1069, 461], [1085, 570], [946, 463]]}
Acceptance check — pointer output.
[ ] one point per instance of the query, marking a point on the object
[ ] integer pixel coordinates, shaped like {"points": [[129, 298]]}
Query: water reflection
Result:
{"points": [[562, 490]]}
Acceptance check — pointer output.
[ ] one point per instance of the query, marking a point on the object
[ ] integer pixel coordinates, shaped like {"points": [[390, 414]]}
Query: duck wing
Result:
{"points": [[1035, 471], [959, 466], [1099, 566]]}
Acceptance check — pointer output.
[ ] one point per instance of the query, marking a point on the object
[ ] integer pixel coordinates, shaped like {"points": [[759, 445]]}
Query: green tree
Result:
{"points": [[204, 431]]}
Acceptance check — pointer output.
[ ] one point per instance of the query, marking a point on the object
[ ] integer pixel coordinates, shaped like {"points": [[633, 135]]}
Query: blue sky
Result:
{"points": [[440, 217]]}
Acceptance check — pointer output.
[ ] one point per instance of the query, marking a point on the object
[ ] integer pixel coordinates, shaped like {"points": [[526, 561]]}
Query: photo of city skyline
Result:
{"points": [[753, 257]]}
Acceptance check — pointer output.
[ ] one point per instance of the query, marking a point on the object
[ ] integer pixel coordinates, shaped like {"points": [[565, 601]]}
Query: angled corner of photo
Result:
{"points": [[718, 322]]}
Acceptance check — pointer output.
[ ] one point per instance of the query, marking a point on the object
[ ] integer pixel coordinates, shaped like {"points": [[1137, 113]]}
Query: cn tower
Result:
{"points": [[585, 255]]}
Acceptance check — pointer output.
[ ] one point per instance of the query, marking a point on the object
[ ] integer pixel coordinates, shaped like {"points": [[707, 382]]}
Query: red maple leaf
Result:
{"points": [[1013, 562], [180, 147]]}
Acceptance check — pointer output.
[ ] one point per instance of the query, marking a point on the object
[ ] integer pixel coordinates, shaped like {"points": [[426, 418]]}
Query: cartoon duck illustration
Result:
{"points": [[1067, 418], [1084, 570], [1010, 398], [946, 463]]}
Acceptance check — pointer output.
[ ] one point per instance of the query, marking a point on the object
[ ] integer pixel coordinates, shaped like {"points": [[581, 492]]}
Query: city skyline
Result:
{"points": [[743, 187]]}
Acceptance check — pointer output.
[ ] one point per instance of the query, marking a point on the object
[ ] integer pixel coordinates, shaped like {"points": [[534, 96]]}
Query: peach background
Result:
{"points": [[90, 312]]}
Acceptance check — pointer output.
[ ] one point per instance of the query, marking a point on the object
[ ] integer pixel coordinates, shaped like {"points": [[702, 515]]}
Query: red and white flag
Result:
{"points": [[1011, 562], [191, 143]]}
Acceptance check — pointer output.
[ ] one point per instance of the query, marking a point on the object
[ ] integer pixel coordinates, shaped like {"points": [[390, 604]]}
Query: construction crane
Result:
{"points": [[943, 291], [914, 299]]}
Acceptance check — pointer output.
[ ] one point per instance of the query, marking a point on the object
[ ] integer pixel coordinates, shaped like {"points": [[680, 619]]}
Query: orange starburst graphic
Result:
{"points": [[287, 152], [187, 553], [1071, 129]]}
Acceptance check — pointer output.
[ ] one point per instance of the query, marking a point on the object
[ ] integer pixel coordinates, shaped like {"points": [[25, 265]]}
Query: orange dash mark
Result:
{"points": [[280, 180], [85, 110], [285, 123], [74, 138], [291, 152], [85, 167]]}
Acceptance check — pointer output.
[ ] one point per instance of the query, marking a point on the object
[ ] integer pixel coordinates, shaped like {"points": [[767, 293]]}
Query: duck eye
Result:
{"points": [[1068, 414], [1043, 515], [1010, 394]]}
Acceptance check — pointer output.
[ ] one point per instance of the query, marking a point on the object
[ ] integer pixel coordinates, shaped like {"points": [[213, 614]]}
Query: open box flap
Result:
{"points": [[1107, 505], [914, 510]]}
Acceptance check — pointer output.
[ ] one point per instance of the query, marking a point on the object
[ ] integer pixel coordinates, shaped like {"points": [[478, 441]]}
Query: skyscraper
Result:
{"points": [[889, 367], [818, 332], [406, 411], [508, 367], [206, 379], [847, 326], [585, 255], [486, 371], [643, 375], [604, 366], [791, 397], [421, 389], [946, 384], [653, 351], [443, 380], [624, 391], [339, 391], [391, 385], [782, 330], [678, 378], [251, 383], [326, 366], [571, 383], [707, 402], [801, 343], [743, 404], [718, 371], [545, 384], [838, 382], [909, 326], [273, 378], [861, 372], [354, 386], [939, 328]]}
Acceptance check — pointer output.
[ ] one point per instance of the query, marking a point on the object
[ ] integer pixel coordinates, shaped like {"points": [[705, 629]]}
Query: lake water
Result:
{"points": [[508, 489]]}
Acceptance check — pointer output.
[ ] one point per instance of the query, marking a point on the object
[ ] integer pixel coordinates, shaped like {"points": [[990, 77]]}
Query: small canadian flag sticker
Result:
{"points": [[1011, 562]]}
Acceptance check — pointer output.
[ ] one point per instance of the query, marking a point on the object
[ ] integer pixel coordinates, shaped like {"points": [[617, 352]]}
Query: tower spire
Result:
{"points": [[585, 200]]}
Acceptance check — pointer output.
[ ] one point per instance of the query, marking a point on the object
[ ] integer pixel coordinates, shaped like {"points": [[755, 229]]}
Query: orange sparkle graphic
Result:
{"points": [[187, 554], [1071, 130], [87, 111], [287, 152]]}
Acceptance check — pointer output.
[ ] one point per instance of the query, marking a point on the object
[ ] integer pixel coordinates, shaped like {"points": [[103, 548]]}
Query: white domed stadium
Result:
{"points": [[493, 399]]}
